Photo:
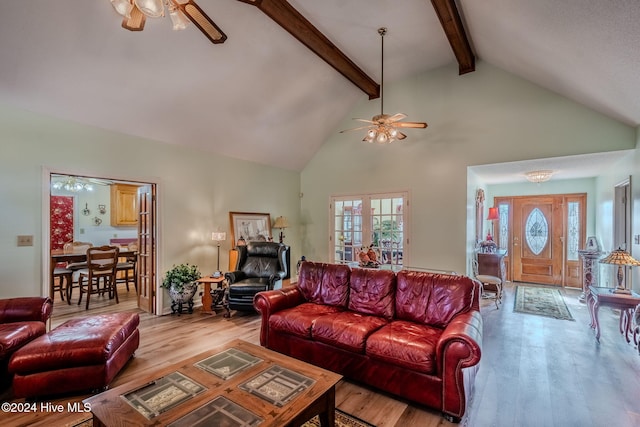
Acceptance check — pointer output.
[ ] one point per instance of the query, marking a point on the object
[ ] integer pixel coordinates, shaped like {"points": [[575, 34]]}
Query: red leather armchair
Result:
{"points": [[417, 335], [21, 321]]}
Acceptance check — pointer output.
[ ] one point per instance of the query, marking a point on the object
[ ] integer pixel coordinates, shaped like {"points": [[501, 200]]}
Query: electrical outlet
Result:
{"points": [[25, 240], [636, 239]]}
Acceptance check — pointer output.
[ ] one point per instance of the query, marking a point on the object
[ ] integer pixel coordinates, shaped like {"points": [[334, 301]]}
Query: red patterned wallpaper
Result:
{"points": [[61, 221]]}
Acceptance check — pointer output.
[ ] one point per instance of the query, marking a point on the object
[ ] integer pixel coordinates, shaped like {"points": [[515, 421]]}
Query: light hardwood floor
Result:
{"points": [[535, 371]]}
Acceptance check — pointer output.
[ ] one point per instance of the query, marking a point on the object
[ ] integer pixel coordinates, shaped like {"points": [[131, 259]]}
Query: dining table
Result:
{"points": [[59, 256]]}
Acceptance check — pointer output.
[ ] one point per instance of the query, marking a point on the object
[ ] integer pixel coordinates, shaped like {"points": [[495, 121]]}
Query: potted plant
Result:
{"points": [[182, 286]]}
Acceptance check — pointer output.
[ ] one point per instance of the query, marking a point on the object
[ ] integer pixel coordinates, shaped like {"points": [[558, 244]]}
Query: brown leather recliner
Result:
{"points": [[261, 266]]}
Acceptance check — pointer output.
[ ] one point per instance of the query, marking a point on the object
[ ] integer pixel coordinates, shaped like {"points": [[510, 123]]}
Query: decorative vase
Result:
{"points": [[180, 297]]}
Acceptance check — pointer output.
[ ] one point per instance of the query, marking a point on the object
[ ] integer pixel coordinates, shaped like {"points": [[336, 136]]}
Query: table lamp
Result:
{"points": [[281, 223], [218, 236], [620, 257]]}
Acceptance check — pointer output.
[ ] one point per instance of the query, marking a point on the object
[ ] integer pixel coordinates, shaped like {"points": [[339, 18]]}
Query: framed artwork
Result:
{"points": [[249, 227]]}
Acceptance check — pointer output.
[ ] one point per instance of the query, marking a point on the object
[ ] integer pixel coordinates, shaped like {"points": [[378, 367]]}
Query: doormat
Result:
{"points": [[542, 302], [342, 420]]}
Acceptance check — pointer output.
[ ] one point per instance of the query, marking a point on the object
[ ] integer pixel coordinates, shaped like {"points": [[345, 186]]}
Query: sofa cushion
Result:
{"points": [[299, 320], [16, 334], [78, 342], [372, 291], [326, 284], [405, 344], [432, 299], [347, 330]]}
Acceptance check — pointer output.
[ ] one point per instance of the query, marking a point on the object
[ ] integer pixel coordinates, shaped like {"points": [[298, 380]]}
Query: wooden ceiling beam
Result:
{"points": [[452, 24], [299, 27]]}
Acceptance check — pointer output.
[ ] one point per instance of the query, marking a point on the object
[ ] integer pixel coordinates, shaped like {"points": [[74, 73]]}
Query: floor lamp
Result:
{"points": [[620, 257], [218, 236]]}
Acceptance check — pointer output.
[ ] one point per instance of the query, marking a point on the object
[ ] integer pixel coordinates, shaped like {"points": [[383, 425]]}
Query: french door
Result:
{"points": [[373, 221], [543, 235], [146, 247]]}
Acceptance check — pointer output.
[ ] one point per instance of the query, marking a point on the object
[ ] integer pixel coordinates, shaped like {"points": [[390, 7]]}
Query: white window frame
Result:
{"points": [[367, 228]]}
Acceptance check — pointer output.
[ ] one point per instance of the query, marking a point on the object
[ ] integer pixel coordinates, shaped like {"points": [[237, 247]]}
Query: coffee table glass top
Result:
{"points": [[219, 412], [160, 395], [277, 385], [228, 363]]}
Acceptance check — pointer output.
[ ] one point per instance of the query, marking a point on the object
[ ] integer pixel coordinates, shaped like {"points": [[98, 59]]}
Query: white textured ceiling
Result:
{"points": [[263, 96]]}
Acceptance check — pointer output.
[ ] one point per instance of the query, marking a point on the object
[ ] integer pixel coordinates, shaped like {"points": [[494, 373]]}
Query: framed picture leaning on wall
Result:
{"points": [[250, 227]]}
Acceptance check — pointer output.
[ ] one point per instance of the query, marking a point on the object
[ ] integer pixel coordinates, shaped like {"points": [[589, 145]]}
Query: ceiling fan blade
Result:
{"points": [[202, 21], [400, 136], [358, 128], [417, 125], [136, 21], [396, 117], [365, 120]]}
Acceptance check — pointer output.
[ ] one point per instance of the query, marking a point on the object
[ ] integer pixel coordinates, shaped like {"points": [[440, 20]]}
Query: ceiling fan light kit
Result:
{"points": [[135, 12], [383, 128]]}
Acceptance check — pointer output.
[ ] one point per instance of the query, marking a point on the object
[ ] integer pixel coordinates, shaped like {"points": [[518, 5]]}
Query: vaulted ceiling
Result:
{"points": [[265, 96]]}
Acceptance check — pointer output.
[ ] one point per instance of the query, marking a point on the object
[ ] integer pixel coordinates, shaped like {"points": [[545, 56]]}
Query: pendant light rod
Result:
{"points": [[382, 31]]}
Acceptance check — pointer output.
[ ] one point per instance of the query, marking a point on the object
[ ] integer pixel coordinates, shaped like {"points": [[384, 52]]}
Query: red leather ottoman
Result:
{"points": [[82, 354]]}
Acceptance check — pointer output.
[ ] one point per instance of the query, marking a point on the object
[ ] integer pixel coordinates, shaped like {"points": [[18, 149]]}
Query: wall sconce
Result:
{"points": [[281, 223], [218, 236]]}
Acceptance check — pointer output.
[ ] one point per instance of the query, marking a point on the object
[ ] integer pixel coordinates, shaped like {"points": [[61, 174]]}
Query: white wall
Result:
{"points": [[196, 191], [488, 116], [605, 184]]}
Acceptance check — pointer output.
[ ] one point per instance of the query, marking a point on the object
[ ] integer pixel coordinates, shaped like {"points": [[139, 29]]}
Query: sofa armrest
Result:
{"points": [[268, 302], [25, 309], [459, 347], [465, 330]]}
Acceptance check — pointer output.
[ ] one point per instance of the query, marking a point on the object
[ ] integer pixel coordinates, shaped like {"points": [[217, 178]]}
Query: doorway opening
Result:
{"points": [[101, 211]]}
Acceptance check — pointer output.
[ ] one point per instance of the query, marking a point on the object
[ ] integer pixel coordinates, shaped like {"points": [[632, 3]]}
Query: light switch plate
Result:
{"points": [[25, 240]]}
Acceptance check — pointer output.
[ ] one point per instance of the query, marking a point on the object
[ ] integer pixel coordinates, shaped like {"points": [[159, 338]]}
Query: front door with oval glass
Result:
{"points": [[537, 240]]}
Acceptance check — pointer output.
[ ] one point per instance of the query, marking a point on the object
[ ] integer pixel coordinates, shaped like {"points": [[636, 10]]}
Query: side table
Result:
{"points": [[212, 298], [626, 303]]}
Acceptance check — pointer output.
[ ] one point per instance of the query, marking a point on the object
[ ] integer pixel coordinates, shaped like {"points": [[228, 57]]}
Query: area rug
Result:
{"points": [[342, 420], [542, 302]]}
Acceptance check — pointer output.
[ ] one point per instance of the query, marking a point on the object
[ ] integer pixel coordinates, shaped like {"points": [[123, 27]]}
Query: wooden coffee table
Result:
{"points": [[235, 384]]}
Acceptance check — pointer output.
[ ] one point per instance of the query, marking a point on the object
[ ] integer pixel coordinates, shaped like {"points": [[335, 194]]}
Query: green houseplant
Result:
{"points": [[182, 286]]}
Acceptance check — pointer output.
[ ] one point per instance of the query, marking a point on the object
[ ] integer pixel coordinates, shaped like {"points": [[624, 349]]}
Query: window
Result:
{"points": [[383, 229], [537, 231]]}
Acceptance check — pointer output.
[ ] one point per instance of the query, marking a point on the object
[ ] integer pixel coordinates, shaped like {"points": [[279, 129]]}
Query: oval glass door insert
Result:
{"points": [[537, 231]]}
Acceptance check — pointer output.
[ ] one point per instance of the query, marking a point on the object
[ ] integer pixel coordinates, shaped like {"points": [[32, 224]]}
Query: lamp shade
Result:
{"points": [[218, 236], [620, 257], [493, 214], [281, 222]]}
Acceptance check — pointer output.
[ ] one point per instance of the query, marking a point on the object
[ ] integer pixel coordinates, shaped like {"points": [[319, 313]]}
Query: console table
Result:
{"points": [[626, 303]]}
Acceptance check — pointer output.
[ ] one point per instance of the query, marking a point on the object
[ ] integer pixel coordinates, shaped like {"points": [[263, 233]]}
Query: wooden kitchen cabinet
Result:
{"points": [[124, 205]]}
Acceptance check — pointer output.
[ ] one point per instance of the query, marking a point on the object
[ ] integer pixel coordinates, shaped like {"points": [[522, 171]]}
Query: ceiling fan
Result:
{"points": [[383, 128], [135, 13]]}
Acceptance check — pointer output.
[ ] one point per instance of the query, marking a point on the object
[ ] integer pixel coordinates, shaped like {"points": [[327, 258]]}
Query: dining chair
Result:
{"points": [[61, 280], [101, 266], [75, 247], [128, 266]]}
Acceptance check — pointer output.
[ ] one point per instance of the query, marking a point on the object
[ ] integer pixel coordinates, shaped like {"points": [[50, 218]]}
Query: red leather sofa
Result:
{"points": [[417, 335], [21, 321]]}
